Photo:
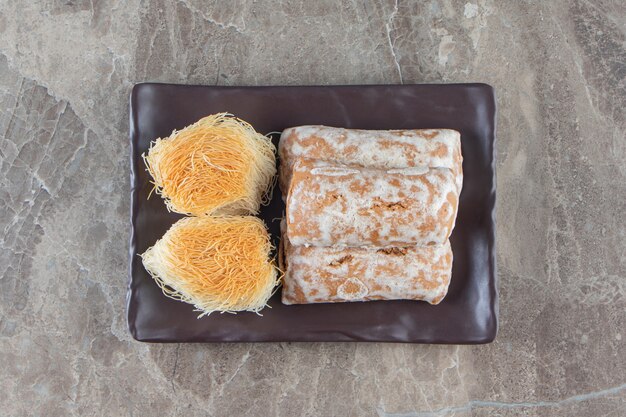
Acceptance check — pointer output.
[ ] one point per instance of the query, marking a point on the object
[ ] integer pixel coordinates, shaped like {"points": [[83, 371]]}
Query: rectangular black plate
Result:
{"points": [[469, 312]]}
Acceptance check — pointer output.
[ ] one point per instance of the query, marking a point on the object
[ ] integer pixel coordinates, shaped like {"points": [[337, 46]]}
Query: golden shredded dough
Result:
{"points": [[215, 263], [218, 165]]}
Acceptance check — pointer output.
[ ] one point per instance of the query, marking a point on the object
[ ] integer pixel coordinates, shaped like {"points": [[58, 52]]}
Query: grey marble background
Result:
{"points": [[559, 70]]}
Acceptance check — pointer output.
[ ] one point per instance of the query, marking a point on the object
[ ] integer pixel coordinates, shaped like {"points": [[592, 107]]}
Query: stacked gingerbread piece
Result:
{"points": [[368, 213]]}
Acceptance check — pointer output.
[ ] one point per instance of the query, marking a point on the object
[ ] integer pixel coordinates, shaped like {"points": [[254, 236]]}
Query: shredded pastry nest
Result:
{"points": [[215, 263], [218, 165]]}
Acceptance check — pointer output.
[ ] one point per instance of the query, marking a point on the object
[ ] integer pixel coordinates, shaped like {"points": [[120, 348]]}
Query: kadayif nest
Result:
{"points": [[218, 165], [215, 263]]}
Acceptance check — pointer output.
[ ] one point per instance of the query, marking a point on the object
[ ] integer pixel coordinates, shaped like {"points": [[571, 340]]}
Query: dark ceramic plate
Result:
{"points": [[469, 313]]}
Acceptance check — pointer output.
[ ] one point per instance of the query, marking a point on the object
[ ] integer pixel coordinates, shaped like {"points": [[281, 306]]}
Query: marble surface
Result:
{"points": [[559, 70]]}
